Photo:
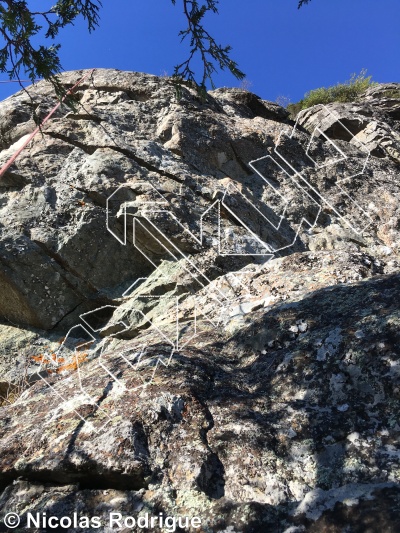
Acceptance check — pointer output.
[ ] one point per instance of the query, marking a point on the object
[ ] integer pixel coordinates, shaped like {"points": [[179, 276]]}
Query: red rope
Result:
{"points": [[5, 167]]}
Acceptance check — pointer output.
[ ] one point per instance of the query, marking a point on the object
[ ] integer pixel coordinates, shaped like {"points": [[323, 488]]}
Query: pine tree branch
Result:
{"points": [[203, 45]]}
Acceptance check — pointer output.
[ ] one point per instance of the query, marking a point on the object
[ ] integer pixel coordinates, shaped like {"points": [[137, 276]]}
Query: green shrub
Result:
{"points": [[342, 92], [394, 93]]}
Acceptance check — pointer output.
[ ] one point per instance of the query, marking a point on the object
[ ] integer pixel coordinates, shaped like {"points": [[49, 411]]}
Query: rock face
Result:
{"points": [[373, 120], [199, 309]]}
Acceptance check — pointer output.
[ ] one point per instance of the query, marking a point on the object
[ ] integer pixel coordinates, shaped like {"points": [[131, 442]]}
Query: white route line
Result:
{"points": [[146, 209]]}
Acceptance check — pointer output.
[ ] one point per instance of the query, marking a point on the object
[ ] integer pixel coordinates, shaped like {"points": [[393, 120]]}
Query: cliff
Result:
{"points": [[199, 307]]}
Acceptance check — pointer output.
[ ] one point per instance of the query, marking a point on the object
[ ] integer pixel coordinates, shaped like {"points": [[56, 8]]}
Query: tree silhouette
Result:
{"points": [[303, 3], [19, 25]]}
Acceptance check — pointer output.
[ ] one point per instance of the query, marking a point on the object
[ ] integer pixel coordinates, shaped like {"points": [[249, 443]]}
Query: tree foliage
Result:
{"points": [[203, 44], [20, 26], [303, 3]]}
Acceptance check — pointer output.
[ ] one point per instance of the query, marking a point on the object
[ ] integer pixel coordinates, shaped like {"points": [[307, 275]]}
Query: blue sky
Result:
{"points": [[283, 51]]}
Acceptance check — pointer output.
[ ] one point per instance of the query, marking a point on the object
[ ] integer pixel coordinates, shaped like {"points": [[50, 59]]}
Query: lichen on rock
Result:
{"points": [[202, 298]]}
